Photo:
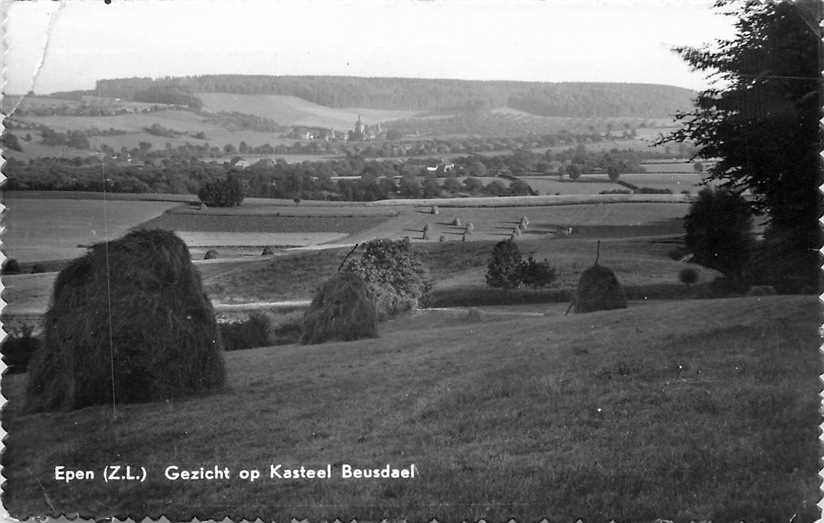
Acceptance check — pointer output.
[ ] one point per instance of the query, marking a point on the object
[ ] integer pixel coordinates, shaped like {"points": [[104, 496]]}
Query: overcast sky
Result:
{"points": [[549, 40]]}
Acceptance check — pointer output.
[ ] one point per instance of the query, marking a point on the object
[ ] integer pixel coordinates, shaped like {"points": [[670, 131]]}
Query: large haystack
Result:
{"points": [[598, 289], [342, 309], [128, 322]]}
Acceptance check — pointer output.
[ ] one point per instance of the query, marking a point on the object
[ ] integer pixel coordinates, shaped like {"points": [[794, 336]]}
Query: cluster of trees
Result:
{"points": [[508, 270], [762, 121], [242, 121], [84, 174], [226, 192], [307, 180], [168, 94], [33, 106], [494, 124], [158, 130], [74, 139], [550, 99]]}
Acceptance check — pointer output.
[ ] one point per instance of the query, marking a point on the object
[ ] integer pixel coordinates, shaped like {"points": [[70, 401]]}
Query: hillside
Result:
{"points": [[419, 94], [291, 110], [604, 415]]}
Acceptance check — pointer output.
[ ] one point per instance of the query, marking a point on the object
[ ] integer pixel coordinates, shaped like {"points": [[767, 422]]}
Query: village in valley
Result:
{"points": [[421, 298]]}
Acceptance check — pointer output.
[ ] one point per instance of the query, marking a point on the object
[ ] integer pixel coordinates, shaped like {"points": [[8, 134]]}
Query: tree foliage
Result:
{"points": [[760, 118], [504, 268], [396, 278], [719, 231], [537, 274], [579, 99], [222, 193]]}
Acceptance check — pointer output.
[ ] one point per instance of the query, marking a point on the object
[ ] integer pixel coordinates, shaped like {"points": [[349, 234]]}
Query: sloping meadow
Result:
{"points": [[679, 410]]}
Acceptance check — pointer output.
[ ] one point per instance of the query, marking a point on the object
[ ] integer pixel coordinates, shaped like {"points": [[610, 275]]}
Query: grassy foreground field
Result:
{"points": [[605, 415]]}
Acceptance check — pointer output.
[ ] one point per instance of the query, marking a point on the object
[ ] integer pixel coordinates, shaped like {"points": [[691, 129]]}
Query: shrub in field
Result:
{"points": [[504, 268], [267, 251], [688, 276], [11, 266], [395, 276], [210, 254], [573, 171], [222, 193], [343, 309], [255, 331], [718, 231], [155, 337], [18, 348], [536, 274]]}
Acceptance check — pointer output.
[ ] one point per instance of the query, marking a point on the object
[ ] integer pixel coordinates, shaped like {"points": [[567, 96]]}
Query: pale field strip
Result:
{"points": [[542, 200], [256, 239]]}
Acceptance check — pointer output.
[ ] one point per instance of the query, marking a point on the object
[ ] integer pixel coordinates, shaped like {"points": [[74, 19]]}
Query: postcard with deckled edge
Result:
{"points": [[405, 261]]}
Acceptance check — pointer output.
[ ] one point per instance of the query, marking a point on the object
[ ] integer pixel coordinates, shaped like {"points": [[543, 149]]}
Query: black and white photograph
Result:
{"points": [[508, 261]]}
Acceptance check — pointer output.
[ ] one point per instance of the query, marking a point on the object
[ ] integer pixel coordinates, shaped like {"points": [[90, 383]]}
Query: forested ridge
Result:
{"points": [[570, 99]]}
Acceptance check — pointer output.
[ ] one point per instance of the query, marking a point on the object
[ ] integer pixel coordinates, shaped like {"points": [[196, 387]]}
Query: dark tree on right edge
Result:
{"points": [[761, 118]]}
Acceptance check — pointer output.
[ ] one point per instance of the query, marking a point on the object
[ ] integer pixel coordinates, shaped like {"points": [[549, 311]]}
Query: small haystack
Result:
{"points": [[128, 322], [211, 254], [427, 231], [598, 289], [456, 222], [442, 238], [435, 210], [469, 228], [341, 310], [267, 251]]}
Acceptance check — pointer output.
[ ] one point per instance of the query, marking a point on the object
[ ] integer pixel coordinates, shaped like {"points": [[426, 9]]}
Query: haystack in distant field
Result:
{"points": [[342, 310], [598, 289], [267, 251], [211, 254], [128, 322]]}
